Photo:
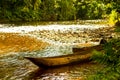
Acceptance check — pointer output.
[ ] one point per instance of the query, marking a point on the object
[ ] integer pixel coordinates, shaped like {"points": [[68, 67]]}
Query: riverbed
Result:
{"points": [[56, 40]]}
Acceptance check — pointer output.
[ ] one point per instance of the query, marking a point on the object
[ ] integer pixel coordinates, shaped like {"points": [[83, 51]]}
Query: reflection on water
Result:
{"points": [[72, 72], [99, 21], [16, 67]]}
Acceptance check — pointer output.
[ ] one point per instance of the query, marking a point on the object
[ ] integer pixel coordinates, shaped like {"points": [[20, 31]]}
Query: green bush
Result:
{"points": [[110, 59], [39, 10], [113, 18]]}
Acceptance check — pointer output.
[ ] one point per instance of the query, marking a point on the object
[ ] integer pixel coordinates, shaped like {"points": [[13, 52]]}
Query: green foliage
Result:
{"points": [[89, 10], [67, 10], [48, 10], [111, 59], [111, 54], [39, 10], [117, 24], [113, 17]]}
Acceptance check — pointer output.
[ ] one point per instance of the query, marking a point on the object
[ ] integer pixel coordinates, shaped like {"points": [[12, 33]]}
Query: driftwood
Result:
{"points": [[83, 55]]}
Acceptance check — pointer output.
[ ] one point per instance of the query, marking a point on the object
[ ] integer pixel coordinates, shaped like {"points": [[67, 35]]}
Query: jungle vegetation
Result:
{"points": [[110, 59], [57, 10]]}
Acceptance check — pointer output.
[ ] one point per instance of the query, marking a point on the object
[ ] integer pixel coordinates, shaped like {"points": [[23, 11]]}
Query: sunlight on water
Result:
{"points": [[63, 38], [15, 67], [26, 29]]}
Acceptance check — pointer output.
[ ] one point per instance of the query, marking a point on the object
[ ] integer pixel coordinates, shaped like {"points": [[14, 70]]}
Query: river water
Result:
{"points": [[13, 65]]}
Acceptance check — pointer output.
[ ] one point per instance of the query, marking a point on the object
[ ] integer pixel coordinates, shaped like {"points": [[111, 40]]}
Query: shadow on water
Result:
{"points": [[35, 23], [70, 72], [15, 67]]}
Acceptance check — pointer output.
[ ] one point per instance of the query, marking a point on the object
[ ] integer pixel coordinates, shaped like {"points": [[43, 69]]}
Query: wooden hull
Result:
{"points": [[58, 61], [46, 62]]}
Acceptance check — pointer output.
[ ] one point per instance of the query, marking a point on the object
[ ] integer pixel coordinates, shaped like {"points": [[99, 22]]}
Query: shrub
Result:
{"points": [[110, 58], [113, 17]]}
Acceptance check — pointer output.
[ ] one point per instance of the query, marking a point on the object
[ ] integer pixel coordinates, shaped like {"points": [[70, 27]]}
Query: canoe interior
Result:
{"points": [[86, 49]]}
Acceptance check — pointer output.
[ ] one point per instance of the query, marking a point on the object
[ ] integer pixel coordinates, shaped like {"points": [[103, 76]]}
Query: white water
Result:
{"points": [[26, 29]]}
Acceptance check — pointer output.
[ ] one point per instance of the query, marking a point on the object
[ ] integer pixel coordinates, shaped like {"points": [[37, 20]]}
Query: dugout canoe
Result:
{"points": [[56, 61]]}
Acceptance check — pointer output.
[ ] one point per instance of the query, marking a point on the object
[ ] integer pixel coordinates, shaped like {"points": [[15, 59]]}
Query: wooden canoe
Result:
{"points": [[55, 61]]}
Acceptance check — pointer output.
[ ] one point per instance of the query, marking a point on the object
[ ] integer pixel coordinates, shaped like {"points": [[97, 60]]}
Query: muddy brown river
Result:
{"points": [[14, 47], [16, 67]]}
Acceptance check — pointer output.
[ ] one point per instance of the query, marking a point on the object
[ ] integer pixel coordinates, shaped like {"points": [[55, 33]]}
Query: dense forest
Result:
{"points": [[57, 10]]}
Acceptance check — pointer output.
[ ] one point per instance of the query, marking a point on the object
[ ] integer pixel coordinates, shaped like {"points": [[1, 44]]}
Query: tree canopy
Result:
{"points": [[47, 10]]}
